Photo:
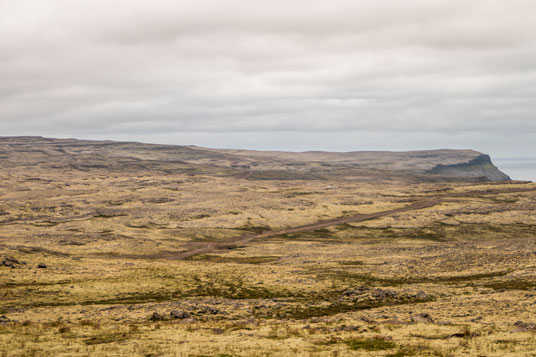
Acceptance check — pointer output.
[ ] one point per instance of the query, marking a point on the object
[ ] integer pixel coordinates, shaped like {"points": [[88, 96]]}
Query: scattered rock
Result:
{"points": [[42, 266], [443, 323], [355, 292], [342, 328], [525, 326], [349, 292], [10, 262], [218, 331], [368, 320], [176, 314], [14, 310], [70, 242], [421, 295], [4, 320], [208, 310], [384, 294], [464, 334], [422, 318], [110, 308], [156, 317]]}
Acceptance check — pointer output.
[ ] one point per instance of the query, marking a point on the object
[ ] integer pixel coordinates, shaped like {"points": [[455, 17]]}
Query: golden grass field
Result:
{"points": [[457, 278]]}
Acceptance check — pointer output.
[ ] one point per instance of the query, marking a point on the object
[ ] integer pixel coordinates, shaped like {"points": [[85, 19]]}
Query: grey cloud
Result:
{"points": [[287, 73]]}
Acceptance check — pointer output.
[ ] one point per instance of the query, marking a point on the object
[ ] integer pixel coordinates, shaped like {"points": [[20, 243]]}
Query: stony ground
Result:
{"points": [[88, 266]]}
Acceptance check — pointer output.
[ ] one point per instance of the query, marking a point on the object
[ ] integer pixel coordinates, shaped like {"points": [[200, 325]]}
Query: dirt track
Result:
{"points": [[203, 248]]}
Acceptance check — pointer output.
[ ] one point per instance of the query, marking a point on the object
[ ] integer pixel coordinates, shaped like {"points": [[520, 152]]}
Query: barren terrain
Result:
{"points": [[136, 250]]}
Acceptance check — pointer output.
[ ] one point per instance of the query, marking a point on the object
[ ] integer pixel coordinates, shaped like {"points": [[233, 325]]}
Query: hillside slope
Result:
{"points": [[72, 154]]}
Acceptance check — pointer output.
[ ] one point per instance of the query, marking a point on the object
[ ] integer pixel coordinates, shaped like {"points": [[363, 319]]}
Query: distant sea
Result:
{"points": [[518, 169]]}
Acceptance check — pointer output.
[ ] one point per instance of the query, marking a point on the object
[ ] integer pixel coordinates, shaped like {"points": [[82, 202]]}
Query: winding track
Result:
{"points": [[203, 248]]}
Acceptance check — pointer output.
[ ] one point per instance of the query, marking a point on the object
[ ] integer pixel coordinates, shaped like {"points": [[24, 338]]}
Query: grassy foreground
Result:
{"points": [[456, 278]]}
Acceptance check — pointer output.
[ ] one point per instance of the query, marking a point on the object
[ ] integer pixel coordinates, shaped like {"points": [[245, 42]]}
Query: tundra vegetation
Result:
{"points": [[95, 258]]}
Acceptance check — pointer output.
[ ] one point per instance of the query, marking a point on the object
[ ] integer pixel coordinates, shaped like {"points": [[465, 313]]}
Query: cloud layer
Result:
{"points": [[301, 74]]}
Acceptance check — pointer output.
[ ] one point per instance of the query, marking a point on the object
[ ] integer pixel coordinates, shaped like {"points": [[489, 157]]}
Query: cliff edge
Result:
{"points": [[480, 167]]}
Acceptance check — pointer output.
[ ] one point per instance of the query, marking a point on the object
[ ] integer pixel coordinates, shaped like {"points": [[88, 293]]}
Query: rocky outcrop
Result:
{"points": [[10, 262], [480, 168]]}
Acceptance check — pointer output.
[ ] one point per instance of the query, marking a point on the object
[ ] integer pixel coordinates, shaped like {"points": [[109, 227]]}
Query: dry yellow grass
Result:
{"points": [[448, 280]]}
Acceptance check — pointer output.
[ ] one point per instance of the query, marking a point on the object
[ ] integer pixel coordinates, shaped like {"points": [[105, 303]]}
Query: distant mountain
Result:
{"points": [[85, 155]]}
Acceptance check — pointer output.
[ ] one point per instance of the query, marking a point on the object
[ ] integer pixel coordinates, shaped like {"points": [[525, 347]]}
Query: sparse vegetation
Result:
{"points": [[448, 279]]}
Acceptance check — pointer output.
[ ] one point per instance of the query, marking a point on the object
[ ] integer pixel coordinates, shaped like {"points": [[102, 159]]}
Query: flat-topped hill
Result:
{"points": [[426, 165]]}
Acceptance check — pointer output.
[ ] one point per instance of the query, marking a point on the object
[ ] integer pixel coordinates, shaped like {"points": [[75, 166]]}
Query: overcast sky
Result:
{"points": [[291, 75]]}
